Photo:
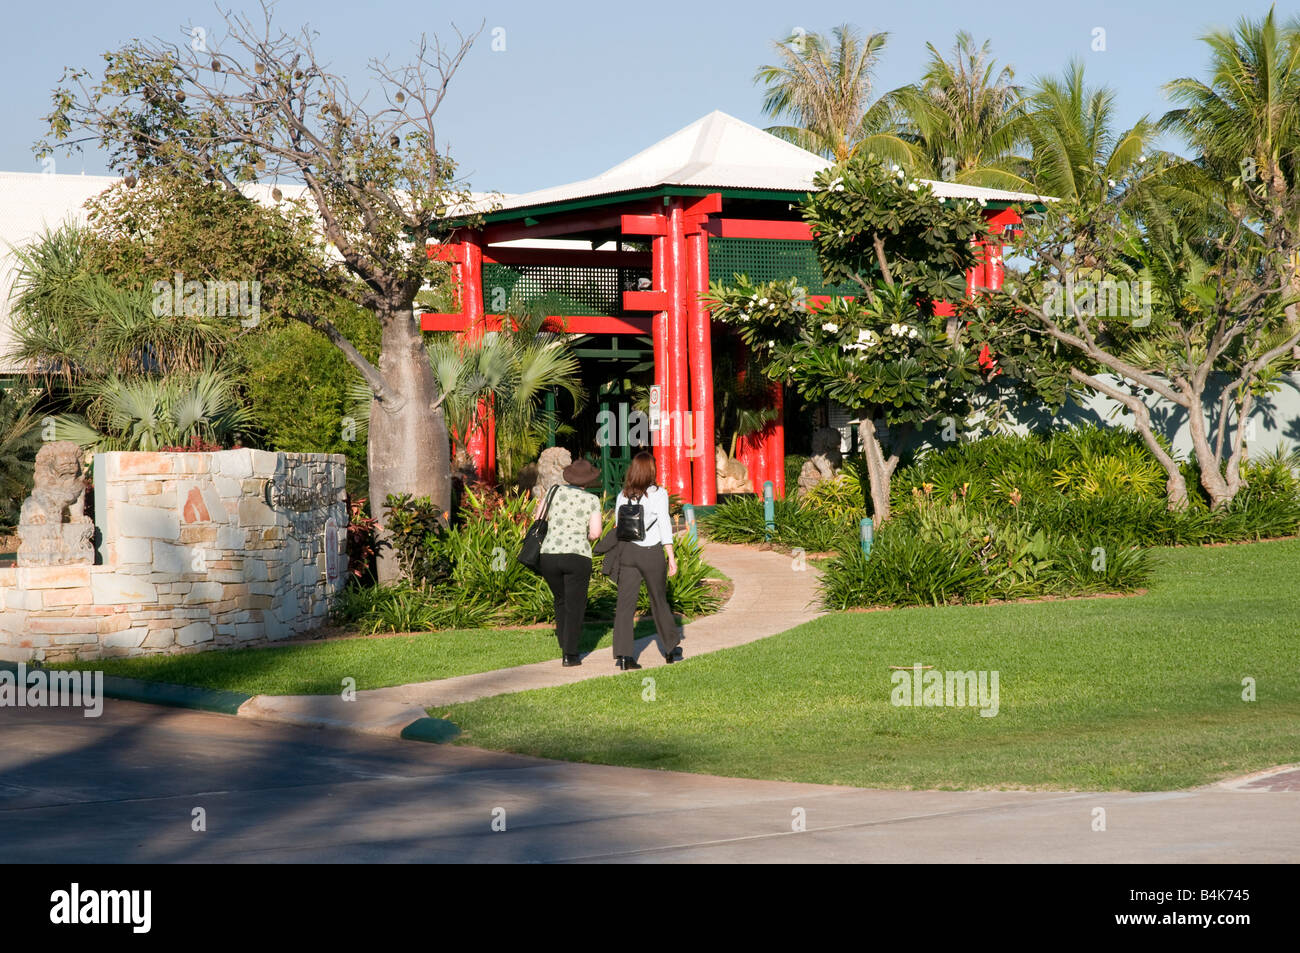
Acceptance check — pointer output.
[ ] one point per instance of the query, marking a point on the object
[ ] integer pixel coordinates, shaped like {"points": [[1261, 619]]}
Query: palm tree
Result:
{"points": [[965, 117], [823, 89], [72, 323], [1249, 111], [1245, 124], [1077, 153]]}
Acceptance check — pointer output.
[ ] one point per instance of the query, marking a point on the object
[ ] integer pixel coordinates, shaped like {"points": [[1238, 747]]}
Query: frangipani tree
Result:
{"points": [[883, 352]]}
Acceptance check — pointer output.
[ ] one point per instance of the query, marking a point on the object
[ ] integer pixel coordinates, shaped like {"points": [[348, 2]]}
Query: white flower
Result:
{"points": [[1141, 159], [912, 333], [1111, 183], [841, 233], [839, 188], [772, 306], [911, 186], [830, 327], [762, 301], [863, 336], [983, 203]]}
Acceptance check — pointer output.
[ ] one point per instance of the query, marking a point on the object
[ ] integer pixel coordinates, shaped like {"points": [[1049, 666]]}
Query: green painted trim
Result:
{"points": [[433, 730], [573, 205], [534, 213], [160, 693]]}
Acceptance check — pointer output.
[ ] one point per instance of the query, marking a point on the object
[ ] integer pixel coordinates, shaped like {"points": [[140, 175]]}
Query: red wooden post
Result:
{"points": [[659, 333], [700, 352], [481, 440], [774, 443], [677, 396]]}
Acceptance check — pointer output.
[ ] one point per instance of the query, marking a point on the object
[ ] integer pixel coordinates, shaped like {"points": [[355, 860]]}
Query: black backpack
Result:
{"points": [[629, 523]]}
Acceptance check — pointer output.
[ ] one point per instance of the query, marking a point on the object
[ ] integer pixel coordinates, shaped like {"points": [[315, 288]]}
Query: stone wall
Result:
{"points": [[195, 551]]}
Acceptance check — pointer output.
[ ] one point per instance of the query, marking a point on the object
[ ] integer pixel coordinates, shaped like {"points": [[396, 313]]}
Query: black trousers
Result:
{"points": [[646, 563], [569, 576]]}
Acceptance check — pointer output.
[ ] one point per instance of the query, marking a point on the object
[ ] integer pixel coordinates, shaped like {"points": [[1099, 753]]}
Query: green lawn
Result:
{"points": [[319, 668], [1135, 693]]}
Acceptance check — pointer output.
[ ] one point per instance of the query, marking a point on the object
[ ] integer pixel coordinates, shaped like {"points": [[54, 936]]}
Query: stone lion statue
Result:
{"points": [[550, 469], [58, 490], [733, 476], [826, 457]]}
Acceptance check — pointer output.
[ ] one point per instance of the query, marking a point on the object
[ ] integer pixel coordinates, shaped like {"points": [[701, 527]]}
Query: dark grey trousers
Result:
{"points": [[638, 563]]}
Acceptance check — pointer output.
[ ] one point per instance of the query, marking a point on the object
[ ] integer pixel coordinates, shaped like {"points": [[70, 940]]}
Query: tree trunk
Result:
{"points": [[880, 471], [408, 450], [1209, 462]]}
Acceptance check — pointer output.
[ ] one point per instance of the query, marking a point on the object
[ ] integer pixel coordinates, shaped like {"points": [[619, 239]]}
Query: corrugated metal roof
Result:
{"points": [[721, 151]]}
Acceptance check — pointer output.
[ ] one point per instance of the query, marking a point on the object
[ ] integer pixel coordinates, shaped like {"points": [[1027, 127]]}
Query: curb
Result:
{"points": [[159, 693]]}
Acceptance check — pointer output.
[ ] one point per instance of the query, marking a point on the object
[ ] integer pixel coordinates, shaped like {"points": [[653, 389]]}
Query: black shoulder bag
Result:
{"points": [[530, 553], [629, 524]]}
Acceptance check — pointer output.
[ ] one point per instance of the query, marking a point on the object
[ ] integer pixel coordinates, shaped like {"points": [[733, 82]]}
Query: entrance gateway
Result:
{"points": [[622, 258]]}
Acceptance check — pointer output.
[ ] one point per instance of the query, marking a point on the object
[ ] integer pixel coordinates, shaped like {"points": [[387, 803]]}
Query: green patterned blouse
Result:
{"points": [[567, 519]]}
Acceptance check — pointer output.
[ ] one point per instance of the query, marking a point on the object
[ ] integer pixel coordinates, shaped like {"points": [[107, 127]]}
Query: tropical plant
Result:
{"points": [[1077, 151], [965, 117], [149, 413], [1244, 122], [823, 87], [510, 372], [20, 438]]}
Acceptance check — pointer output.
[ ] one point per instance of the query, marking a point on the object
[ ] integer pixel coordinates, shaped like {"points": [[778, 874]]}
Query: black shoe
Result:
{"points": [[571, 660], [674, 656], [625, 663]]}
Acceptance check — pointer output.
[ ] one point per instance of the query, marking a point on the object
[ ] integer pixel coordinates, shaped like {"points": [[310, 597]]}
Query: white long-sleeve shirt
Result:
{"points": [[658, 524]]}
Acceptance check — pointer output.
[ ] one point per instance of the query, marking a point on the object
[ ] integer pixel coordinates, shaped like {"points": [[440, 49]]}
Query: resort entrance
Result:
{"points": [[621, 262]]}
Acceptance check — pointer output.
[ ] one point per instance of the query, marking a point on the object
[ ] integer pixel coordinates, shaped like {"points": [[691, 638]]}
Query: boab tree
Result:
{"points": [[262, 106]]}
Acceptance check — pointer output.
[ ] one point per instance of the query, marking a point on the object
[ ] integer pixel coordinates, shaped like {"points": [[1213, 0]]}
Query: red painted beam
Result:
{"points": [[554, 226], [757, 228], [568, 323], [566, 257], [644, 225], [645, 300]]}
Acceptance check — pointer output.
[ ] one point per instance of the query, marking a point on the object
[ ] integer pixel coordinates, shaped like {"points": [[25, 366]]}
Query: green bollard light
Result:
{"points": [[688, 513], [769, 509], [866, 530]]}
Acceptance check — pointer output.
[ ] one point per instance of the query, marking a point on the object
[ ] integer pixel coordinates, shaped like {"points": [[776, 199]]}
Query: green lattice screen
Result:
{"points": [[765, 259], [566, 290]]}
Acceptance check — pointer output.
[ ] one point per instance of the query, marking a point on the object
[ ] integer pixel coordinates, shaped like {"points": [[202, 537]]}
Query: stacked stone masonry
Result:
{"points": [[196, 551]]}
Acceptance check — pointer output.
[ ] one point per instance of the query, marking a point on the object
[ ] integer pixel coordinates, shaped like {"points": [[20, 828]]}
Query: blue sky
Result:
{"points": [[580, 86]]}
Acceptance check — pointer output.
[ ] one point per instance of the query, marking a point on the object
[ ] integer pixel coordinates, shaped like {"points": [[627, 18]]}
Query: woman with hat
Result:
{"points": [[573, 520]]}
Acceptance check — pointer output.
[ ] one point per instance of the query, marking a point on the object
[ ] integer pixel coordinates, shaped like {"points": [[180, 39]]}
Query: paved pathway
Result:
{"points": [[769, 597], [123, 788]]}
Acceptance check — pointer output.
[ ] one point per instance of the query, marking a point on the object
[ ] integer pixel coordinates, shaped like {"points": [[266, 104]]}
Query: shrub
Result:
{"points": [[402, 607], [741, 521], [949, 553]]}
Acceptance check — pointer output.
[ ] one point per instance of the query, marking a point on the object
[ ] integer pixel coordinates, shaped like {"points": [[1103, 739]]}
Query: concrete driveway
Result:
{"points": [[125, 787]]}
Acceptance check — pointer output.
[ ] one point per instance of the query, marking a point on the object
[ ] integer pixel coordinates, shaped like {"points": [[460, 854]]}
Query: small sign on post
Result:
{"points": [[656, 394], [769, 509]]}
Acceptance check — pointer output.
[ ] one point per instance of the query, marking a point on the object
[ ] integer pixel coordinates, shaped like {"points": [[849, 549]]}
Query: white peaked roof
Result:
{"points": [[721, 151]]}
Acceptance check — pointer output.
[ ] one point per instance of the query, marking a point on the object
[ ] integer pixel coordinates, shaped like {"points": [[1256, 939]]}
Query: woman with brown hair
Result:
{"points": [[573, 521], [645, 530]]}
